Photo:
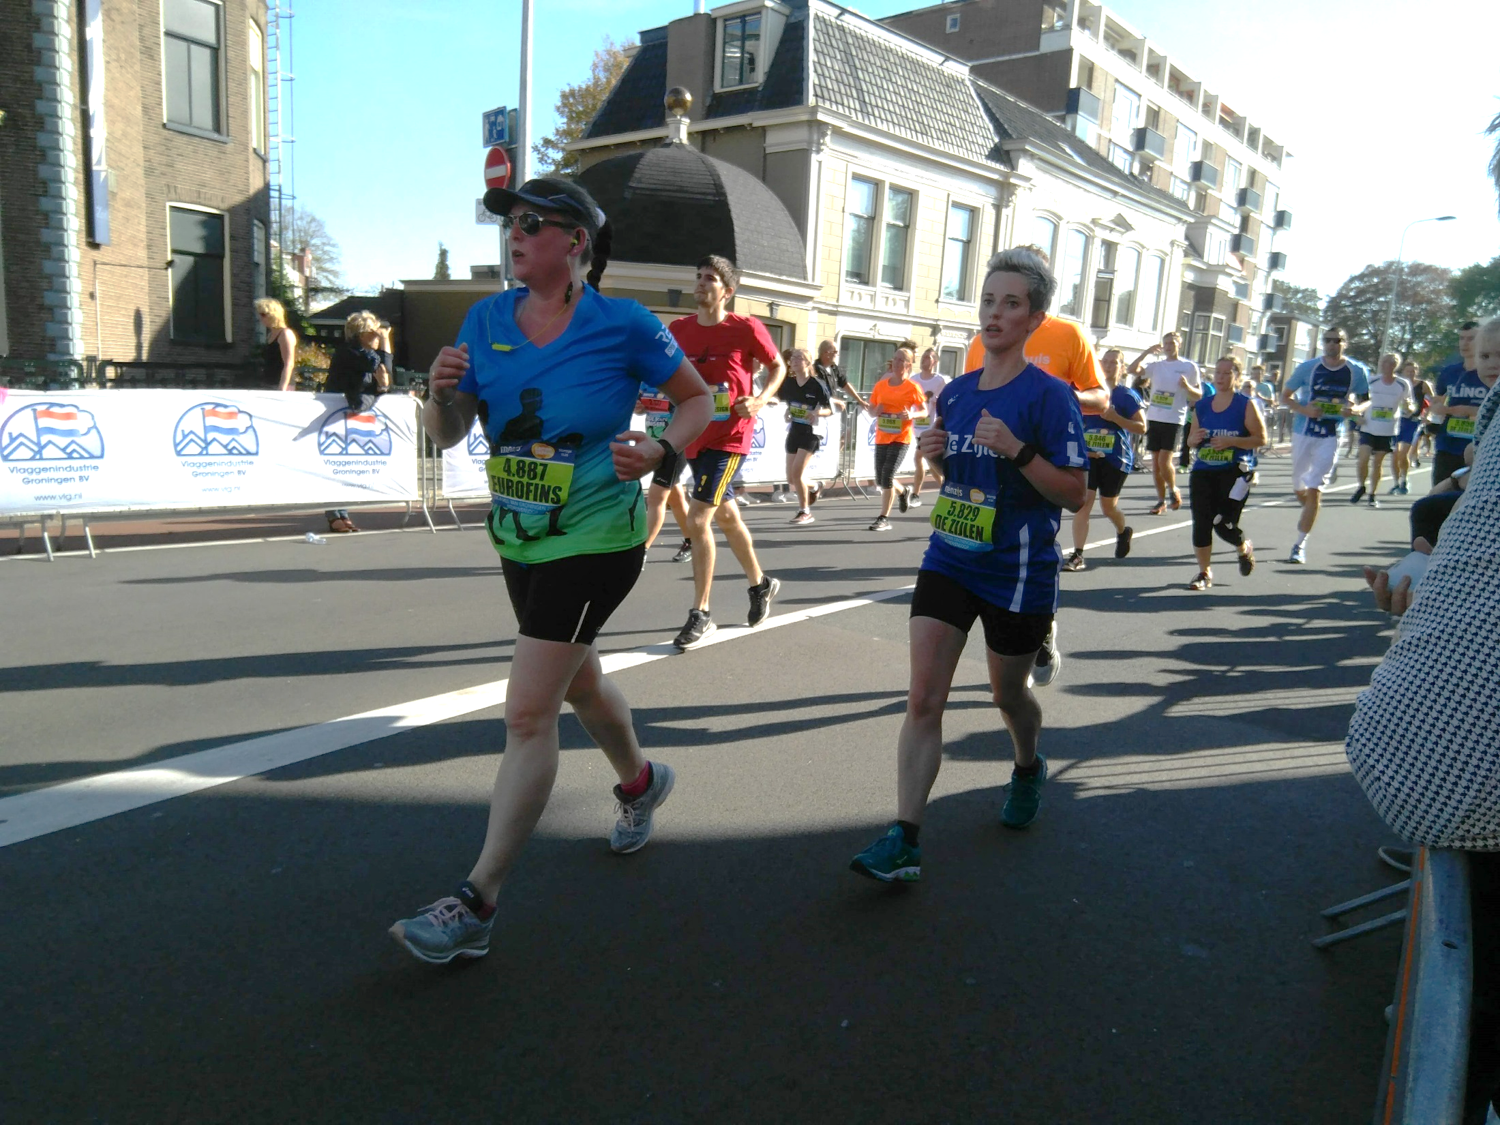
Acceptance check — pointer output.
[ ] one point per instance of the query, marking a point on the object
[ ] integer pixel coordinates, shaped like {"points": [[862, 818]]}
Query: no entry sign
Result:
{"points": [[496, 168]]}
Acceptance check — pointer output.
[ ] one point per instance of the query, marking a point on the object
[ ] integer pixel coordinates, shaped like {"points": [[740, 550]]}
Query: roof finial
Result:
{"points": [[678, 101]]}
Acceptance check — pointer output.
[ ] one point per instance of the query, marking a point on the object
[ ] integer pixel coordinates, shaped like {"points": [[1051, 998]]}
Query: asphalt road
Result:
{"points": [[1140, 955]]}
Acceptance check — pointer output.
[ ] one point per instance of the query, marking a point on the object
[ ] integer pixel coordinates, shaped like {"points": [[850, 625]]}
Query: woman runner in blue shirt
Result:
{"points": [[553, 371], [1009, 440], [1227, 430]]}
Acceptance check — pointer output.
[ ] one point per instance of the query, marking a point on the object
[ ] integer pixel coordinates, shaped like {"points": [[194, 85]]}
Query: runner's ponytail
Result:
{"points": [[602, 241]]}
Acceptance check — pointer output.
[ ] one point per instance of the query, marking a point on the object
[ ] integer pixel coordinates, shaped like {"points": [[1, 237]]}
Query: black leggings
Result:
{"points": [[1213, 510], [887, 457]]}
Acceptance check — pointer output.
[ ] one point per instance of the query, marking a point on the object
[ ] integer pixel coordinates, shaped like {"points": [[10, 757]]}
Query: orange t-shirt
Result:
{"points": [[1058, 347], [887, 399]]}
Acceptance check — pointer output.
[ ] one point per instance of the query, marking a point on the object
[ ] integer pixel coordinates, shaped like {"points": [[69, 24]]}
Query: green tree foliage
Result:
{"points": [[1422, 316], [577, 105], [1301, 301], [1476, 291], [441, 271], [281, 286]]}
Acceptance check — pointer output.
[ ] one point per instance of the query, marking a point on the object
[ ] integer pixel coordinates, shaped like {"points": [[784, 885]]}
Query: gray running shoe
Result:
{"points": [[698, 629], [633, 828], [1048, 661], [685, 552], [881, 524], [443, 931], [760, 600]]}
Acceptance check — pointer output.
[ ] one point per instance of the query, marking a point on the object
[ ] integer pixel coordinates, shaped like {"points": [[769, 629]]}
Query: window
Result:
{"points": [[1126, 108], [1153, 117], [897, 228], [1125, 281], [1180, 188], [741, 51], [948, 362], [859, 223], [957, 254], [197, 249], [1104, 285], [1044, 235], [1215, 248], [1070, 279], [1086, 74], [1271, 198], [1208, 338], [1054, 16], [952, 24], [1232, 171], [1149, 302], [190, 63], [1121, 157], [257, 89], [865, 360], [1185, 147]]}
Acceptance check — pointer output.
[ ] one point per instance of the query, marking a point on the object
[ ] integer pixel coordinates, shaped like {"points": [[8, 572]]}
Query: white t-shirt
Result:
{"points": [[1168, 402], [1386, 400], [930, 388]]}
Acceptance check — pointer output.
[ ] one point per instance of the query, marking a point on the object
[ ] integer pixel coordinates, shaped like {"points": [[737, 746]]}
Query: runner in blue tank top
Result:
{"points": [[1107, 439], [1009, 440], [1227, 430]]}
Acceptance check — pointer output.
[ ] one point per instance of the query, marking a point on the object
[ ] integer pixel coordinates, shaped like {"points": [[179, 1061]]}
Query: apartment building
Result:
{"points": [[900, 174], [1155, 117], [134, 207]]}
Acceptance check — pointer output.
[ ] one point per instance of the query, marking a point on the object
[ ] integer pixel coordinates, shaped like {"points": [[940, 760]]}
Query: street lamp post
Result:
{"points": [[1390, 307]]}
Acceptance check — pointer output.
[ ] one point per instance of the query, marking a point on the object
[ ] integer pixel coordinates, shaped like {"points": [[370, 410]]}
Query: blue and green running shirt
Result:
{"points": [[993, 532], [550, 414]]}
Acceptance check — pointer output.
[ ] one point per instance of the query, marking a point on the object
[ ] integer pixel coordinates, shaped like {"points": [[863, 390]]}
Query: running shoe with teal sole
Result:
{"points": [[889, 859], [1025, 797], [633, 824], [443, 931]]}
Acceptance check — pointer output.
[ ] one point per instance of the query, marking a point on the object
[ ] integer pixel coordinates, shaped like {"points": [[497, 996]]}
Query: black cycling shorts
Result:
{"points": [[1105, 477], [713, 469], [570, 599], [1005, 633], [887, 458], [1380, 443], [800, 437], [1161, 435]]}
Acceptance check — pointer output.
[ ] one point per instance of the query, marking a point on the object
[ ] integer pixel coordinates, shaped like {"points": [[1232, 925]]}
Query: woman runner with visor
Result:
{"points": [[1008, 439], [553, 371]]}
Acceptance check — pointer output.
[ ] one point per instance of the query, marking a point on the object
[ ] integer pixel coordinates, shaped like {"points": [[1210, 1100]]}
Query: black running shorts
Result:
{"points": [[1380, 443], [802, 437], [570, 599], [1105, 477], [1006, 633], [1161, 435], [713, 469]]}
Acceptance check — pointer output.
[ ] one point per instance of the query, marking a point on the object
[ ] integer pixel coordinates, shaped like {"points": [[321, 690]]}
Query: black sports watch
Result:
{"points": [[1023, 455]]}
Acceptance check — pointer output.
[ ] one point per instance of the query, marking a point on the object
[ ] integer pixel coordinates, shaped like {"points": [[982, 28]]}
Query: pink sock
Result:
{"points": [[641, 783]]}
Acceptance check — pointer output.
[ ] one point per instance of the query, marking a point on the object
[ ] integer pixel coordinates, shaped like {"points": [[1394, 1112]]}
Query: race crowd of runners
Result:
{"points": [[554, 371]]}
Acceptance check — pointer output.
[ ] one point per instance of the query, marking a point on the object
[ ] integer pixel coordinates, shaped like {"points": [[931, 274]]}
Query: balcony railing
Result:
{"points": [[1276, 260], [1149, 143], [1242, 244], [1283, 221], [1085, 104], [1273, 303], [1202, 172], [1249, 201]]}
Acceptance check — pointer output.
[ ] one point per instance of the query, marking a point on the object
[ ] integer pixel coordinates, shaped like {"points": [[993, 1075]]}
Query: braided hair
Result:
{"points": [[603, 238]]}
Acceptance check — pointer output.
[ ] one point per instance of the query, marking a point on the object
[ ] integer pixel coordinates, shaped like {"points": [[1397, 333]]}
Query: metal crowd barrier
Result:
{"points": [[1427, 1047]]}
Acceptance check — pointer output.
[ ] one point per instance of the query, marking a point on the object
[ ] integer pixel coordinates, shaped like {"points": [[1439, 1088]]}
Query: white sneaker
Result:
{"points": [[633, 826], [1299, 554], [1048, 661]]}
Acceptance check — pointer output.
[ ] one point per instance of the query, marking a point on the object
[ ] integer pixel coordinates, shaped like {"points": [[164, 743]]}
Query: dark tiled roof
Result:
{"points": [[865, 76], [783, 86], [673, 205], [1015, 120], [636, 101], [387, 306]]}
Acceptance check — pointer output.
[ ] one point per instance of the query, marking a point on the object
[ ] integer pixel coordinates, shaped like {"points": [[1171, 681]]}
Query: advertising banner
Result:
{"points": [[64, 451], [864, 448]]}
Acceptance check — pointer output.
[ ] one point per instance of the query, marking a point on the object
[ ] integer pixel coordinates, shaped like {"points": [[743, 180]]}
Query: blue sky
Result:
{"points": [[1384, 105]]}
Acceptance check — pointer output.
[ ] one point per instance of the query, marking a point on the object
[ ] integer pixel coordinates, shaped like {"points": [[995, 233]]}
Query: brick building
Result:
{"points": [[134, 212]]}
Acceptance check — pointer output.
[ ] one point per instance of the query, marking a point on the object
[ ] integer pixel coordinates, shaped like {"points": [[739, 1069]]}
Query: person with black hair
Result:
{"points": [[554, 369]]}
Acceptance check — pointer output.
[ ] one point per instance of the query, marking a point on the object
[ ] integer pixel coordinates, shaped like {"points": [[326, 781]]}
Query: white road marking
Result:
{"points": [[59, 807]]}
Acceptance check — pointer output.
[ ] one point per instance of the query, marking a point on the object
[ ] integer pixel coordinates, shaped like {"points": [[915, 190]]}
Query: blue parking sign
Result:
{"points": [[496, 131]]}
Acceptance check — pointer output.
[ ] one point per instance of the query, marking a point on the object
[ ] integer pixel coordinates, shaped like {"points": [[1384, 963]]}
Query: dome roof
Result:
{"points": [[672, 205]]}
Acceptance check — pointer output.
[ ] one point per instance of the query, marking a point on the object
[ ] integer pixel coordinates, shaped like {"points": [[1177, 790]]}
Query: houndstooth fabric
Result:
{"points": [[1425, 738]]}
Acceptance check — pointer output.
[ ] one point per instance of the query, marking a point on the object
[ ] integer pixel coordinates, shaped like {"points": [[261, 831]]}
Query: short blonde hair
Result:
{"points": [[1239, 368], [1395, 357], [271, 307], [359, 323]]}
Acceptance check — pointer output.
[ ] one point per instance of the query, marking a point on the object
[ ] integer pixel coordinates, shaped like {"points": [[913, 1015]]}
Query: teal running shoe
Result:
{"points": [[889, 859], [443, 931], [1025, 797]]}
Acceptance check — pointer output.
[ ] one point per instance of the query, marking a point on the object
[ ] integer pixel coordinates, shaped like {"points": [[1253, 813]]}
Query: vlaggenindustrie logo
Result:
{"points": [[216, 429], [51, 431], [354, 433]]}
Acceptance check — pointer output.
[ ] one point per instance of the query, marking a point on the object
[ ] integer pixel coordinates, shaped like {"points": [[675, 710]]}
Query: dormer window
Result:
{"points": [[748, 32], [739, 61], [952, 23]]}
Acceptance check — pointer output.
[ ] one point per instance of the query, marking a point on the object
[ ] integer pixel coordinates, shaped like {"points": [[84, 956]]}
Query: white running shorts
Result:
{"points": [[1313, 460]]}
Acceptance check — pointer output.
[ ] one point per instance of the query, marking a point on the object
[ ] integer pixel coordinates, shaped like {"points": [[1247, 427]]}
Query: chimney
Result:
{"points": [[690, 53]]}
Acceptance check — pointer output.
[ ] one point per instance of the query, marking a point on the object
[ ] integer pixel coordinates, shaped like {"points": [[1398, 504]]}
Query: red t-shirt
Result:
{"points": [[723, 354]]}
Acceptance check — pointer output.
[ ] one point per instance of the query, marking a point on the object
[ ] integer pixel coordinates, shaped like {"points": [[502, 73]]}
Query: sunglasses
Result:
{"points": [[1333, 340], [531, 223]]}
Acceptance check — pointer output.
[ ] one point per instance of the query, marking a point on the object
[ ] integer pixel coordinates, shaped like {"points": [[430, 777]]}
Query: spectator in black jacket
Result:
{"points": [[361, 366]]}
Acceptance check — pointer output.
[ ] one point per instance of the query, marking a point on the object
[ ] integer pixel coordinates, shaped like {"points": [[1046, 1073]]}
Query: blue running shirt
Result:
{"points": [[1325, 386], [1016, 566], [1229, 422], [1461, 388], [550, 414], [1106, 437]]}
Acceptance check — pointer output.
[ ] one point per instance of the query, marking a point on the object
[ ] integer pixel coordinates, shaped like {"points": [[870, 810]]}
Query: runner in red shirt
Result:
{"points": [[724, 347]]}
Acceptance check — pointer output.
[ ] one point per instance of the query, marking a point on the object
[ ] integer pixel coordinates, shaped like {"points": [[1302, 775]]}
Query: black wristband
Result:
{"points": [[667, 450], [1023, 455]]}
